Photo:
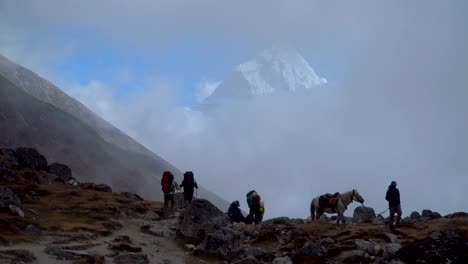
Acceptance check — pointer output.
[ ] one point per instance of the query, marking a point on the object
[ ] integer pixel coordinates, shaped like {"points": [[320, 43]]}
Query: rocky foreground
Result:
{"points": [[47, 216]]}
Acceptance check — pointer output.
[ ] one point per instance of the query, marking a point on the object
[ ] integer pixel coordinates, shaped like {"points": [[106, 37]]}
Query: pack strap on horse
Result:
{"points": [[329, 200]]}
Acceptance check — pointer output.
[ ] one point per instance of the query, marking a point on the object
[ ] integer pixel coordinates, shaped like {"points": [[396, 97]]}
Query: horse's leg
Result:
{"points": [[319, 214]]}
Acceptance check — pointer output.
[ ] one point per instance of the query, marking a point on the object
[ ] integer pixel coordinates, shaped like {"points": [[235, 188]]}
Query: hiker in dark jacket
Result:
{"points": [[235, 213], [393, 198], [189, 184]]}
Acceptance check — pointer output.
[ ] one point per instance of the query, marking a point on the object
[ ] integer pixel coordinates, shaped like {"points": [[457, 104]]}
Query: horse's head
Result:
{"points": [[357, 197]]}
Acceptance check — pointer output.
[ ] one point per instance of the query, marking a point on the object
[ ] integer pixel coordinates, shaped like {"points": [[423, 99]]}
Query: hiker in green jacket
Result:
{"points": [[169, 185]]}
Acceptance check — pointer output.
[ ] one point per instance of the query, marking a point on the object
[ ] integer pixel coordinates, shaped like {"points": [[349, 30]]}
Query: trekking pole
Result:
{"points": [[383, 212]]}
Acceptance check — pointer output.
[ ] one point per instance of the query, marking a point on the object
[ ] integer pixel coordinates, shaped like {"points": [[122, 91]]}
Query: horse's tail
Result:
{"points": [[312, 210]]}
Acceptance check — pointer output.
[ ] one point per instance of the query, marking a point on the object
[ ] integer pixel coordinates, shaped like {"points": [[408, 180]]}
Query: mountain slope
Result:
{"points": [[275, 69], [115, 159]]}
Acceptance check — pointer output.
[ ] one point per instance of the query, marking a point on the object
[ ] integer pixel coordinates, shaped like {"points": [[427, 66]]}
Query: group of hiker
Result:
{"points": [[256, 206], [256, 210], [169, 186]]}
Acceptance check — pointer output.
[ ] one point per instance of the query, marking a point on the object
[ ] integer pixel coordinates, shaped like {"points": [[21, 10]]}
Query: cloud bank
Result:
{"points": [[397, 111]]}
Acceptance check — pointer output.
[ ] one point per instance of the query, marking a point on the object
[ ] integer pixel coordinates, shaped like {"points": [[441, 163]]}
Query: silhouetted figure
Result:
{"points": [[189, 184], [393, 198]]}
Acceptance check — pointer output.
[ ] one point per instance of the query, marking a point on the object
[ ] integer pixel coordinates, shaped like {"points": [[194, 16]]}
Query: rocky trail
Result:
{"points": [[47, 216]]}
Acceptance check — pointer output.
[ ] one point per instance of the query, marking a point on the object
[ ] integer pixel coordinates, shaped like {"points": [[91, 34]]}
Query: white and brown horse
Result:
{"points": [[343, 200]]}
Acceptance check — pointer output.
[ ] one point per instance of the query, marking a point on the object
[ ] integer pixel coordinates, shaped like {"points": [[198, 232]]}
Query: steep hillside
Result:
{"points": [[27, 121]]}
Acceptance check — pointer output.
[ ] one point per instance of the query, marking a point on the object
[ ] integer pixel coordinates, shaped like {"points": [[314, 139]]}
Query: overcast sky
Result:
{"points": [[395, 107]]}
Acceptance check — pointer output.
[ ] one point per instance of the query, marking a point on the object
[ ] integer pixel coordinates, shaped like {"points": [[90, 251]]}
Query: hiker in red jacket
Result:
{"points": [[189, 184]]}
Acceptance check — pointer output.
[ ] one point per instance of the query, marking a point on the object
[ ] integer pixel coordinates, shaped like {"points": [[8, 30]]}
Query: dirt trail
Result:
{"points": [[160, 250]]}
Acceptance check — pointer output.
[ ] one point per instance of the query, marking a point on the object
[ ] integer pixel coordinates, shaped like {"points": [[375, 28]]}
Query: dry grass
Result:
{"points": [[66, 208]]}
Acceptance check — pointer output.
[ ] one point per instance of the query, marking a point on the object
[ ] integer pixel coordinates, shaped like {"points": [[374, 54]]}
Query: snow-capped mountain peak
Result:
{"points": [[274, 69]]}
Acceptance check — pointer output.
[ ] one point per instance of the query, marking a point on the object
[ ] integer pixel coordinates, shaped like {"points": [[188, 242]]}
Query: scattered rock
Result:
{"points": [[447, 246], [256, 252], [374, 249], [156, 230], [247, 260], [282, 260], [8, 159], [223, 242], [362, 244], [457, 214], [312, 250], [60, 170], [392, 238], [122, 239], [298, 234], [7, 197], [31, 158], [430, 214], [62, 254], [353, 256], [391, 248], [278, 221], [201, 218], [7, 175], [415, 215], [133, 196], [33, 176], [17, 256], [16, 210], [124, 247], [131, 258], [363, 214], [239, 226], [250, 232], [33, 230], [378, 220], [151, 216], [327, 241], [103, 188], [189, 247]]}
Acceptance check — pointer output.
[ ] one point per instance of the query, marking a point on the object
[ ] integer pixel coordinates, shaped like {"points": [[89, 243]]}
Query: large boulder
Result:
{"points": [[447, 246], [224, 242], [415, 215], [201, 218], [31, 158], [7, 198], [363, 214], [60, 170], [430, 214], [8, 159]]}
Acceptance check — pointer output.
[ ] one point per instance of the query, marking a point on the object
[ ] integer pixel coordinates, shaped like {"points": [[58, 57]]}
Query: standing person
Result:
{"points": [[169, 185], [189, 184], [393, 198], [253, 201]]}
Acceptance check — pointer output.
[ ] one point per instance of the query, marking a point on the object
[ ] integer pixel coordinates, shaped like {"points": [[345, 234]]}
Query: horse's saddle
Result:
{"points": [[329, 200]]}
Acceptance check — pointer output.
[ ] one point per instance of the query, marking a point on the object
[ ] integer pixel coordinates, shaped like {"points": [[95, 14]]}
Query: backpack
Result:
{"points": [[166, 182], [188, 179], [253, 197]]}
